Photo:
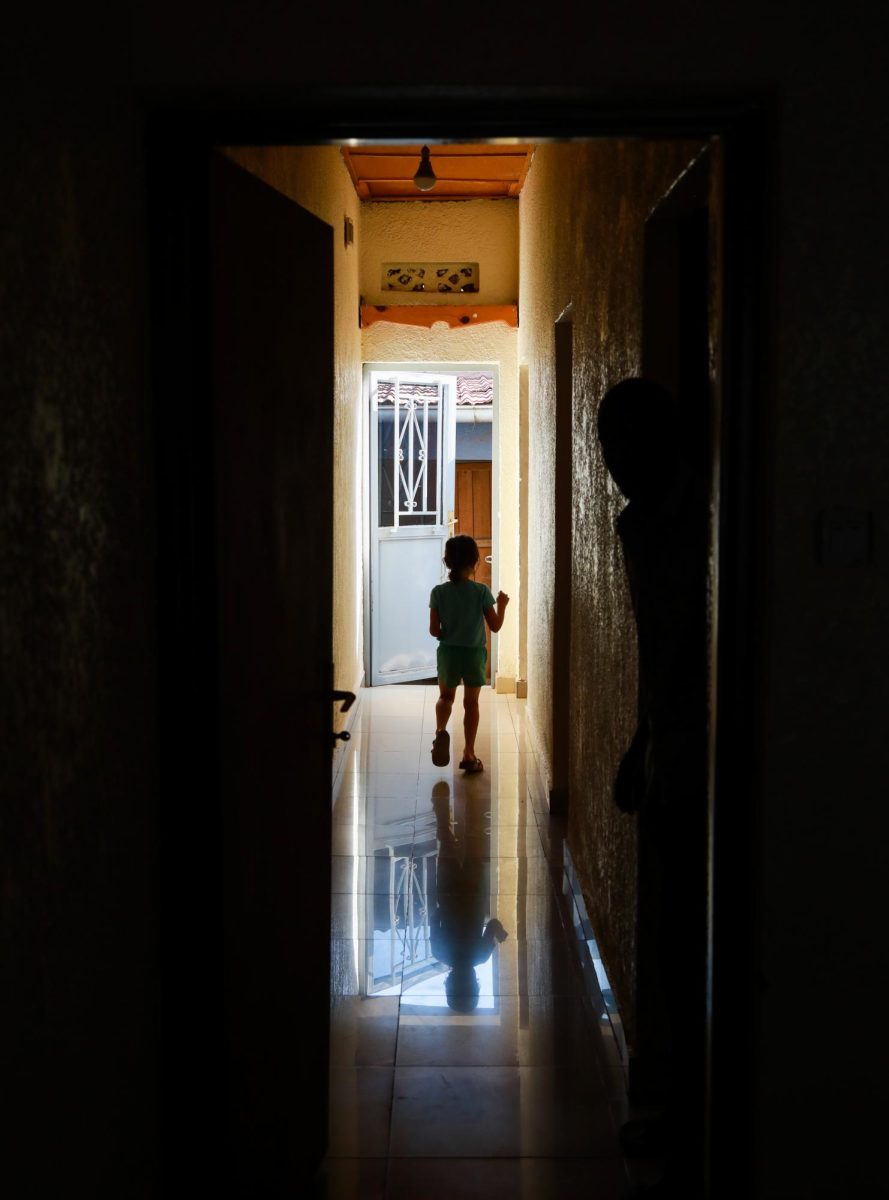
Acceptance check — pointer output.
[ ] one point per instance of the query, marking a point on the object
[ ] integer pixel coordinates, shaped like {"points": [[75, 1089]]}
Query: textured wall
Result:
{"points": [[78, 741], [317, 178], [582, 220], [825, 637], [482, 231], [494, 343]]}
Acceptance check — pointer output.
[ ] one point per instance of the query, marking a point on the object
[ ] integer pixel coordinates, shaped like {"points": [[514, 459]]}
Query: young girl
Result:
{"points": [[457, 616]]}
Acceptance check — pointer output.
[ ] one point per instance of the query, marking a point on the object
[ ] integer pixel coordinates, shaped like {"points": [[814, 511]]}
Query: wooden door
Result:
{"points": [[472, 509], [271, 270]]}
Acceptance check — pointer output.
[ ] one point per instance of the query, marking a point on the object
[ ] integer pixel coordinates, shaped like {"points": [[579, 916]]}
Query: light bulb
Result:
{"points": [[425, 176]]}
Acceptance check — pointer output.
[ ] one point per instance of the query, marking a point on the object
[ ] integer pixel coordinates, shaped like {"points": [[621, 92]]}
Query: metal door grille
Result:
{"points": [[411, 479]]}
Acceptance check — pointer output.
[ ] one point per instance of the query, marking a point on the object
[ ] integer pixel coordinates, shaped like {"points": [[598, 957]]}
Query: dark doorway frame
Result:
{"points": [[182, 128]]}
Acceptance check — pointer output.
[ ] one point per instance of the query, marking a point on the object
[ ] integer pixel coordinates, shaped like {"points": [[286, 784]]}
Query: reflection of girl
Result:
{"points": [[460, 936]]}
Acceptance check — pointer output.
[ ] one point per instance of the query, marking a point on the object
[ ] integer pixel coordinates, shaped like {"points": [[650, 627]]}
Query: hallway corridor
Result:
{"points": [[501, 1081]]}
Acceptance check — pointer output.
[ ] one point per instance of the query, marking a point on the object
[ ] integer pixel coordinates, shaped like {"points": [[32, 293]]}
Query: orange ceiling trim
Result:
{"points": [[464, 172], [385, 191], [456, 316]]}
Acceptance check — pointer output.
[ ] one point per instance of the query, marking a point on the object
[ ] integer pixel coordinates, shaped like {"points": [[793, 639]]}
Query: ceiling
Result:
{"points": [[469, 172]]}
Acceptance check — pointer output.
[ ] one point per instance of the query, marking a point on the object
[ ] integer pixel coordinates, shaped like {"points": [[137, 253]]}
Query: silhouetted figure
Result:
{"points": [[462, 938], [662, 777]]}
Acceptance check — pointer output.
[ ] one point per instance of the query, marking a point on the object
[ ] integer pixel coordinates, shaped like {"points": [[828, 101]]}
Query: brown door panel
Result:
{"points": [[273, 407], [472, 508]]}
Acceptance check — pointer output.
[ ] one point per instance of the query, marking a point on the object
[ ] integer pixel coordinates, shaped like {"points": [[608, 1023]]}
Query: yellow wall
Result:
{"points": [[485, 232], [482, 231], [317, 178]]}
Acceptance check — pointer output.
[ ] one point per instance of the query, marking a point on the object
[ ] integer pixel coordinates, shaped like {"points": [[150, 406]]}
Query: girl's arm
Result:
{"points": [[495, 616], [434, 623]]}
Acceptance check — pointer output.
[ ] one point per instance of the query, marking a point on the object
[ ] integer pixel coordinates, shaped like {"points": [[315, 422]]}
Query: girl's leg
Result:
{"points": [[441, 752], [443, 706], [470, 720]]}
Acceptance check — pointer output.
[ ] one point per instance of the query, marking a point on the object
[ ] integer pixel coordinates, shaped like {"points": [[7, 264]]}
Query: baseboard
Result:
{"points": [[599, 990], [544, 766]]}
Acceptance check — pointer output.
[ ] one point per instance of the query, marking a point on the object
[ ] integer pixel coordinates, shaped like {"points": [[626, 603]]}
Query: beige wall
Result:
{"points": [[482, 231], [582, 215], [317, 178], [486, 232]]}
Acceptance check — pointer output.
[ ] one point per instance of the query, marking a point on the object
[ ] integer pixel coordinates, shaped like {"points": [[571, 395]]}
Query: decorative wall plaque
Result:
{"points": [[435, 277]]}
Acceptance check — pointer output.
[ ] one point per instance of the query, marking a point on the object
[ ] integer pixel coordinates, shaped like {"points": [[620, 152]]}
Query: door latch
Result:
{"points": [[348, 699]]}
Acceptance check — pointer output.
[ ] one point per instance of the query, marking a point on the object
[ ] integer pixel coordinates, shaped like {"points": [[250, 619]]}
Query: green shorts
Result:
{"points": [[464, 664]]}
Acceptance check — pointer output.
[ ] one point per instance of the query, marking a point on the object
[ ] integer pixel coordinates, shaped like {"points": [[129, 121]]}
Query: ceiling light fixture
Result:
{"points": [[425, 176]]}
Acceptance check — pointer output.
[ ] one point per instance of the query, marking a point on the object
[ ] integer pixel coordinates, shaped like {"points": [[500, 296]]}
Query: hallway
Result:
{"points": [[435, 1093]]}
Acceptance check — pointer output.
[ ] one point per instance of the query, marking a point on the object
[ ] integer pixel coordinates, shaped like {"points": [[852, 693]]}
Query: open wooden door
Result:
{"points": [[271, 272], [472, 510]]}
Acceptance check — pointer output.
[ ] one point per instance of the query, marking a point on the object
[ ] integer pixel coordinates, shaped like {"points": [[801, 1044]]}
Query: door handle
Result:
{"points": [[489, 558], [348, 699]]}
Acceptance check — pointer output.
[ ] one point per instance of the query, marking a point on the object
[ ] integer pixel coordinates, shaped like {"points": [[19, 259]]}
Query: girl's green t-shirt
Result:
{"points": [[461, 608]]}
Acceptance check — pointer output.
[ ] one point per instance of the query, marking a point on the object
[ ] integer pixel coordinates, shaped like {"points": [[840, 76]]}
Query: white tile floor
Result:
{"points": [[497, 1083]]}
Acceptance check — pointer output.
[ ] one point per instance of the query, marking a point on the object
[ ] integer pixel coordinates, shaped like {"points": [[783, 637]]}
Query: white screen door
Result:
{"points": [[412, 450]]}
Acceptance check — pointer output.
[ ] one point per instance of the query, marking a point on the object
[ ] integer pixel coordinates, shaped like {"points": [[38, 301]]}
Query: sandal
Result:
{"points": [[472, 765], [441, 749]]}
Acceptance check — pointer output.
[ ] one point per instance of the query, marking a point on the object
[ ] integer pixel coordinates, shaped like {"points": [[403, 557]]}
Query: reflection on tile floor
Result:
{"points": [[465, 1059]]}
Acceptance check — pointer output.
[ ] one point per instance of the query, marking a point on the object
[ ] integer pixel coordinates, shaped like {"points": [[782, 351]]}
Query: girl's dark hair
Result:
{"points": [[460, 552]]}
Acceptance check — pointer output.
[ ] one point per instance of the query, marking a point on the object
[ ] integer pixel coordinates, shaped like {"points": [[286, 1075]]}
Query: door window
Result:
{"points": [[409, 452]]}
